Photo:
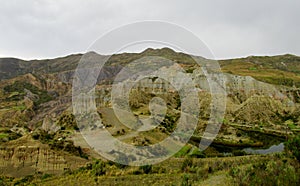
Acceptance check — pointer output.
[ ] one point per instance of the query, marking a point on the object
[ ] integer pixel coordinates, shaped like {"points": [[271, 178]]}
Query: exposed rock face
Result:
{"points": [[30, 95], [28, 103], [59, 83], [66, 77], [48, 125], [26, 156], [24, 160], [243, 87], [238, 88], [84, 103], [248, 101]]}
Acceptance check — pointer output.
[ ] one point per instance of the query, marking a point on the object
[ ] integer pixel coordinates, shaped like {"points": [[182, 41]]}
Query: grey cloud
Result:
{"points": [[231, 28]]}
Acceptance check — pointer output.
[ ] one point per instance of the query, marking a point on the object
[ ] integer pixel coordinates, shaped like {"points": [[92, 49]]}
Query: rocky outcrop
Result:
{"points": [[49, 125], [25, 156], [25, 160]]}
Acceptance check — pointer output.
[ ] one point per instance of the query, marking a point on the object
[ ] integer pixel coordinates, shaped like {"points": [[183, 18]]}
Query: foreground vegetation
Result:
{"points": [[274, 169], [244, 170]]}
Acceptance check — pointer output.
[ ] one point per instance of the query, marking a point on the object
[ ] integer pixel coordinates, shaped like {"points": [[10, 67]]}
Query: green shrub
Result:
{"points": [[146, 169], [45, 176], [187, 164], [99, 168], [196, 153], [24, 180], [183, 151], [67, 121], [185, 180], [202, 173], [293, 146], [272, 172]]}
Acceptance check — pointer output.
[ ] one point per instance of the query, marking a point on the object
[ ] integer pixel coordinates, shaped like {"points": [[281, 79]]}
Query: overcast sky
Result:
{"points": [[230, 28]]}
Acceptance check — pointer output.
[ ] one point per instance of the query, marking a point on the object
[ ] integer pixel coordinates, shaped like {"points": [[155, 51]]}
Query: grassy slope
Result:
{"points": [[279, 70]]}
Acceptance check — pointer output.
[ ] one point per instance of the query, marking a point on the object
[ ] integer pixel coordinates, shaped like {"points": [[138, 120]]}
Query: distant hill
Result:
{"points": [[279, 70]]}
